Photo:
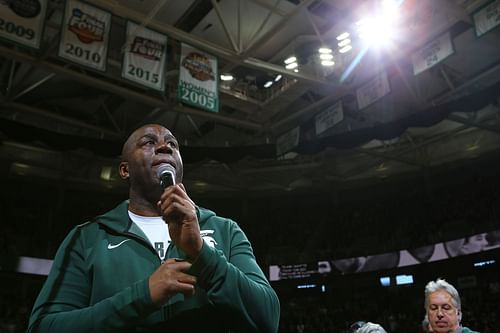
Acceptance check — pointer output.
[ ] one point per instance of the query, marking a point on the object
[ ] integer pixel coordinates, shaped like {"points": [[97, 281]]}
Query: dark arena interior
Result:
{"points": [[358, 174]]}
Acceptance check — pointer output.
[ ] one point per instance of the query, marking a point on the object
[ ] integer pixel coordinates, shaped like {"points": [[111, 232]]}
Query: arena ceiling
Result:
{"points": [[63, 122]]}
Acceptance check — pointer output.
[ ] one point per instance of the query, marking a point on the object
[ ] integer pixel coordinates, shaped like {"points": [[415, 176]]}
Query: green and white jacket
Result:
{"points": [[99, 282]]}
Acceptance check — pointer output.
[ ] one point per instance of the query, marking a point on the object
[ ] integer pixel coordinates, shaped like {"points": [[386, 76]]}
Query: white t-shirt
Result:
{"points": [[156, 230]]}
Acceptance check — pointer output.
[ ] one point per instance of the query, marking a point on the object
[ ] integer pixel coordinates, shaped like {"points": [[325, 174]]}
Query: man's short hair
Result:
{"points": [[441, 284]]}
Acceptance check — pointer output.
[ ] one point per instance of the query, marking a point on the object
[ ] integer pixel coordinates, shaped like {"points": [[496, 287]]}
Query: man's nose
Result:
{"points": [[163, 148]]}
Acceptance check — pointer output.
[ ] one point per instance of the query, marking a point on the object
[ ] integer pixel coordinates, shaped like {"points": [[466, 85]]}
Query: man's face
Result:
{"points": [[475, 244], [145, 150], [444, 317]]}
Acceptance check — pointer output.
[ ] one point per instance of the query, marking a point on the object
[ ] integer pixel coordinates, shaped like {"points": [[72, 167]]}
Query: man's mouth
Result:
{"points": [[158, 163], [441, 323]]}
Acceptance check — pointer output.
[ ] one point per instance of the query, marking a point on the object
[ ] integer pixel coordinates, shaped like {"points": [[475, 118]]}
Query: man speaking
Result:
{"points": [[157, 262]]}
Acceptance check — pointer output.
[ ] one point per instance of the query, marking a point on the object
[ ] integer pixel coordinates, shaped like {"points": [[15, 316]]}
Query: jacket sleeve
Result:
{"points": [[238, 282], [63, 303]]}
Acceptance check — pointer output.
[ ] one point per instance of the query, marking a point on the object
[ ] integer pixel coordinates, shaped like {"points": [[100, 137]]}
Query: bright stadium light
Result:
{"points": [[226, 77], [325, 56], [346, 48], [343, 36], [290, 60], [380, 29], [268, 84], [344, 42], [324, 50], [327, 63]]}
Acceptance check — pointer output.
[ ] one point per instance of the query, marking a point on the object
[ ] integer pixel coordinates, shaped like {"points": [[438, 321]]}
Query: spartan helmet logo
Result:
{"points": [[205, 234]]}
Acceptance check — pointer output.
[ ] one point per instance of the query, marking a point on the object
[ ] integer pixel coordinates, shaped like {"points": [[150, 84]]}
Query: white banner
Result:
{"points": [[487, 18], [329, 118], [198, 79], [373, 90], [144, 57], [85, 35], [22, 21], [432, 53], [287, 141]]}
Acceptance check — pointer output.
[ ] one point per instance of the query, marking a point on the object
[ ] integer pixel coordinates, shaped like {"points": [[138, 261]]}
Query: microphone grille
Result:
{"points": [[166, 174]]}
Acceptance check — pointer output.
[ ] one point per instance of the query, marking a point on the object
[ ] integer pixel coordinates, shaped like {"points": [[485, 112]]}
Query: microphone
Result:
{"points": [[166, 174]]}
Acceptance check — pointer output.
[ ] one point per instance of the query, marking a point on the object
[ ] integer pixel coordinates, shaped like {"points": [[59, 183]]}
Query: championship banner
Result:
{"points": [[432, 53], [144, 57], [373, 90], [329, 118], [287, 141], [487, 18], [85, 35], [22, 21], [198, 79]]}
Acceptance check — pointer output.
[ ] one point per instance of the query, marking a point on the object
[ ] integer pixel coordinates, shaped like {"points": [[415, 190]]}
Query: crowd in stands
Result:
{"points": [[309, 228], [401, 311], [283, 229]]}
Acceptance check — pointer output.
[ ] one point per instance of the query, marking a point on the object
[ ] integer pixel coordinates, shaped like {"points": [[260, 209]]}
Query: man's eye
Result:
{"points": [[173, 144]]}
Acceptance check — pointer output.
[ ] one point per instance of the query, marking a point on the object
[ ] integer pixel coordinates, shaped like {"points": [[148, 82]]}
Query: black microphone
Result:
{"points": [[166, 174]]}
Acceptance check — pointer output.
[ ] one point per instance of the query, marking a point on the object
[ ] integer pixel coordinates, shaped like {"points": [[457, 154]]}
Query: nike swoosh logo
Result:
{"points": [[110, 247]]}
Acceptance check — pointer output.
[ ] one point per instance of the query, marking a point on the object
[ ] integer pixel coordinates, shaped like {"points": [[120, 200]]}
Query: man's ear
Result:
{"points": [[123, 170], [459, 314]]}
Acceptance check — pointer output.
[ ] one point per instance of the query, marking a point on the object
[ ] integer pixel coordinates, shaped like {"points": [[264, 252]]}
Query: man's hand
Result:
{"points": [[169, 279], [179, 211]]}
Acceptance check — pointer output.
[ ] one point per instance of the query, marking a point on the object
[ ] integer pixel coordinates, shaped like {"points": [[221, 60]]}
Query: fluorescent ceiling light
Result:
{"points": [[327, 63], [278, 77], [324, 50], [268, 84], [326, 56], [343, 35], [344, 42], [346, 48], [291, 65], [290, 60], [226, 77]]}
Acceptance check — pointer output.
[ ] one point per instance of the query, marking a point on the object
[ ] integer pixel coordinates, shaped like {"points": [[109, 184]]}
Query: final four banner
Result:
{"points": [[329, 118], [198, 79], [487, 18], [22, 21], [287, 141], [432, 53], [144, 57], [373, 90], [85, 35]]}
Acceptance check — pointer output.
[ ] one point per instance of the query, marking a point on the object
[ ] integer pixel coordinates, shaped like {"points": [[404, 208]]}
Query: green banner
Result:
{"points": [[198, 79]]}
